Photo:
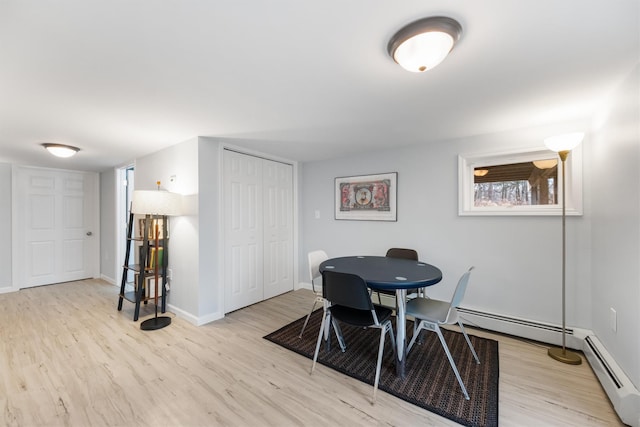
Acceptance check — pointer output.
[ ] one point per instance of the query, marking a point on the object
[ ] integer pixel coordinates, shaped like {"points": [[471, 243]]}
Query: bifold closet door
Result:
{"points": [[278, 227], [243, 230], [258, 218]]}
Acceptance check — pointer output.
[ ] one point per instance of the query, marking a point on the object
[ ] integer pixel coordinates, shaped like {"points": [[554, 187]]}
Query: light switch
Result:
{"points": [[317, 214]]}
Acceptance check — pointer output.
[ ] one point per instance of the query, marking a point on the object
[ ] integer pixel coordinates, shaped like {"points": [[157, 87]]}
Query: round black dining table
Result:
{"points": [[386, 273]]}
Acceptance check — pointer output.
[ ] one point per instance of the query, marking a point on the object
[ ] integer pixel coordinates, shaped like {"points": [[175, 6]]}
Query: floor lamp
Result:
{"points": [[153, 204], [563, 144]]}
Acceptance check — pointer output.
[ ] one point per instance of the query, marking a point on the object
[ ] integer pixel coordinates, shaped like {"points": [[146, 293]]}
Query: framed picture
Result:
{"points": [[367, 197]]}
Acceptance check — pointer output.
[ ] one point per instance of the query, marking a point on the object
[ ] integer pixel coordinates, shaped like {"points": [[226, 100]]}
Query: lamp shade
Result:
{"points": [[564, 142], [156, 202], [423, 44]]}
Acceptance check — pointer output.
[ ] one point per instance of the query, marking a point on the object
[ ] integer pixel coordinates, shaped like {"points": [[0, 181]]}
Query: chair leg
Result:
{"points": [[416, 334], [339, 336], [393, 338], [307, 319], [379, 363], [451, 362], [473, 350], [320, 334]]}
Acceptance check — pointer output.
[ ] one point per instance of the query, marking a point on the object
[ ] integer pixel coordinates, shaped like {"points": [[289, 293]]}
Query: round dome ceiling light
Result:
{"points": [[60, 150], [423, 44]]}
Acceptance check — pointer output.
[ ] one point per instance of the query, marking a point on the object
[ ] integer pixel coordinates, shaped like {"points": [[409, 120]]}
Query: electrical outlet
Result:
{"points": [[613, 317], [169, 273]]}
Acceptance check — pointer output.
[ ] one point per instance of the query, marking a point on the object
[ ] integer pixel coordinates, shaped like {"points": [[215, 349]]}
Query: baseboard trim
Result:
{"points": [[194, 320]]}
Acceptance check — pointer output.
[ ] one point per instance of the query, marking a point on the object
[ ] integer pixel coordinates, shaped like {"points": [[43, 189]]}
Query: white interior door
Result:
{"points": [[258, 212], [243, 272], [278, 228], [57, 236]]}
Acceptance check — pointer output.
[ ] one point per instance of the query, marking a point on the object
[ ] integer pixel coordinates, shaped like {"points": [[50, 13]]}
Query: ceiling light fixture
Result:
{"points": [[60, 150], [423, 44]]}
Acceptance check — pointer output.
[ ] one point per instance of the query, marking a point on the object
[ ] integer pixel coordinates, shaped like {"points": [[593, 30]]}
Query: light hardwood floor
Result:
{"points": [[69, 358]]}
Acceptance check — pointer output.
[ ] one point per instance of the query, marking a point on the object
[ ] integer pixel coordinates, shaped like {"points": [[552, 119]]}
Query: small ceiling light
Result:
{"points": [[61, 150], [423, 44], [480, 172]]}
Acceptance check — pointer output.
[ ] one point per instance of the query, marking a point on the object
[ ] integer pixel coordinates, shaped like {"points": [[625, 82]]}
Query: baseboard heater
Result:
{"points": [[623, 395], [519, 327]]}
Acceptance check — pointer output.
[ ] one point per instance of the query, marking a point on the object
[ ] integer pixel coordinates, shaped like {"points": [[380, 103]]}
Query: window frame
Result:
{"points": [[467, 163]]}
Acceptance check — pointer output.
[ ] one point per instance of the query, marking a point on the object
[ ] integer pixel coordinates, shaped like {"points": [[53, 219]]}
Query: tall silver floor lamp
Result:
{"points": [[563, 144]]}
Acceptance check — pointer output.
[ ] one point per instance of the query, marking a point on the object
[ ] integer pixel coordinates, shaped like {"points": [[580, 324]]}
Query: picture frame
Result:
{"points": [[366, 197]]}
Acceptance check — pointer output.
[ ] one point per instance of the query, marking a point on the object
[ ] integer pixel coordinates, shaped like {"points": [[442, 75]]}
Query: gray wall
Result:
{"points": [[181, 162], [517, 259], [108, 225], [615, 175], [5, 227], [211, 285]]}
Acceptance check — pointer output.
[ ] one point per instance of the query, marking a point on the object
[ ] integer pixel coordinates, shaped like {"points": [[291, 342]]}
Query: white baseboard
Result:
{"points": [[302, 285], [194, 320], [108, 279], [7, 289]]}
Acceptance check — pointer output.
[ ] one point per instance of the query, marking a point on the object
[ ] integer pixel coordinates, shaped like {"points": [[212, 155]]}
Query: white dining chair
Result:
{"points": [[315, 258], [430, 313]]}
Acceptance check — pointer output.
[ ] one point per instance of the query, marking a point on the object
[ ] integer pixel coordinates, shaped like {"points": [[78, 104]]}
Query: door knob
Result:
{"points": [[89, 233]]}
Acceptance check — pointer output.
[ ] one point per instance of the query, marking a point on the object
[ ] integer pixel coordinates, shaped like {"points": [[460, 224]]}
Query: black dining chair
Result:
{"points": [[348, 300], [404, 254]]}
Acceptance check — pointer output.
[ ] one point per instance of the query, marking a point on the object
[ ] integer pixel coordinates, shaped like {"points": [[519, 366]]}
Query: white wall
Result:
{"points": [[517, 259], [211, 288], [108, 225], [181, 162], [615, 176], [5, 227]]}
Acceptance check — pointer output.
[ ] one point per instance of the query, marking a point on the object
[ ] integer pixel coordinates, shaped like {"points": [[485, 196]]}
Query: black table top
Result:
{"points": [[385, 272]]}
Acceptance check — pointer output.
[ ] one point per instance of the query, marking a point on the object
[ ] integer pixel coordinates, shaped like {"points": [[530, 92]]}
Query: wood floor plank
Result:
{"points": [[69, 358]]}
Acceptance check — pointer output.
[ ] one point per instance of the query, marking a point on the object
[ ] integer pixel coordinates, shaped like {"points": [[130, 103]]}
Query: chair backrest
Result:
{"points": [[458, 295], [347, 290], [315, 259], [402, 253]]}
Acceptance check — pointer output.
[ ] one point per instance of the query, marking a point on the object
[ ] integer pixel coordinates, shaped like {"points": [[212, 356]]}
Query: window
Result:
{"points": [[525, 182]]}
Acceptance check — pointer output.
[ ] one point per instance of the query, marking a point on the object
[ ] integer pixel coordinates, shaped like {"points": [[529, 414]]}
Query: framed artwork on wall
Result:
{"points": [[367, 197]]}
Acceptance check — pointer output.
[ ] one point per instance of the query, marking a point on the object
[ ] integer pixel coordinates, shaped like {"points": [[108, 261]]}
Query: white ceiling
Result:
{"points": [[300, 79]]}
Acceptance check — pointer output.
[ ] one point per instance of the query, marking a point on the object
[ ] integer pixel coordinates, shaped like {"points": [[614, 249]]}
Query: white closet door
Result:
{"points": [[56, 230], [243, 270], [278, 228]]}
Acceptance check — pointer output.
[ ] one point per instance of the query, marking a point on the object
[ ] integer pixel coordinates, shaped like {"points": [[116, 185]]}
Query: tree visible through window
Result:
{"points": [[516, 184]]}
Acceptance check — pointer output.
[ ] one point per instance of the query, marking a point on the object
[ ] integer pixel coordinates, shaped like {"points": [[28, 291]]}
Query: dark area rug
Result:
{"points": [[430, 382]]}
